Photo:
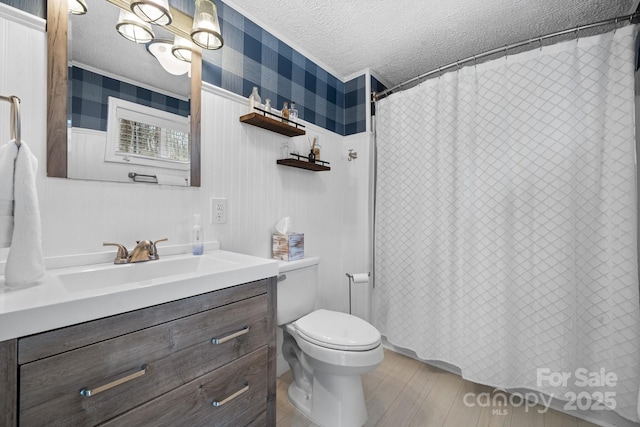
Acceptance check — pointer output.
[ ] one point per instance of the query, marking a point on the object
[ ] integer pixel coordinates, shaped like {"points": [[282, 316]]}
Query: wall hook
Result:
{"points": [[352, 154]]}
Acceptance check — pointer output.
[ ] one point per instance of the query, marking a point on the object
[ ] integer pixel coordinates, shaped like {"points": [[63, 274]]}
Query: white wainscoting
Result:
{"points": [[238, 162]]}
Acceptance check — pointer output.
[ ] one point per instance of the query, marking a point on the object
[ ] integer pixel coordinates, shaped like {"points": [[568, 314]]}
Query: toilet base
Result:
{"points": [[336, 400]]}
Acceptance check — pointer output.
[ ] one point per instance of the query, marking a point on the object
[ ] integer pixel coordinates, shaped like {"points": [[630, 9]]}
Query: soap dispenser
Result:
{"points": [[197, 236]]}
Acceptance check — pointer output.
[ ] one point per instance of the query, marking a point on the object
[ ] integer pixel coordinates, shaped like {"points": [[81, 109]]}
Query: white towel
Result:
{"points": [[25, 264], [8, 153]]}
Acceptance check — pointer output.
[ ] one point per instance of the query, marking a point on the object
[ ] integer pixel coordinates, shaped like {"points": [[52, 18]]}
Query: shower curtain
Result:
{"points": [[506, 222]]}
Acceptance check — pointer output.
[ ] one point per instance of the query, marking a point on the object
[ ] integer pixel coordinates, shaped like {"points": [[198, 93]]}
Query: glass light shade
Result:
{"points": [[152, 11], [182, 49], [206, 28], [133, 28], [161, 49], [77, 7]]}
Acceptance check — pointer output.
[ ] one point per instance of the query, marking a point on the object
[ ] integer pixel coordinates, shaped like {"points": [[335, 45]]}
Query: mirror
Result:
{"points": [[61, 144]]}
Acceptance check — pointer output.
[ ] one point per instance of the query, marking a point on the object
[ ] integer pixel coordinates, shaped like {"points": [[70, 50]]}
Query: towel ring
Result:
{"points": [[15, 117], [15, 120]]}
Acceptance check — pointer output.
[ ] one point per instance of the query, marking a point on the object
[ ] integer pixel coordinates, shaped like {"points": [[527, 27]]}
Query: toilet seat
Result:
{"points": [[338, 331]]}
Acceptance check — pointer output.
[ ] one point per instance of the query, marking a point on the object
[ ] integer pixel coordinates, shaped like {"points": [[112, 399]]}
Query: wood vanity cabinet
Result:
{"points": [[206, 360]]}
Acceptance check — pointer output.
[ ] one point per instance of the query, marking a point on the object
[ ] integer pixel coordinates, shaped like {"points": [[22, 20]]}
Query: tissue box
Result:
{"points": [[288, 247]]}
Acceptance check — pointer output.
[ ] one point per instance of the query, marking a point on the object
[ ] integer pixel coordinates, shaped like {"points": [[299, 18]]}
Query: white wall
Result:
{"points": [[238, 162], [330, 208]]}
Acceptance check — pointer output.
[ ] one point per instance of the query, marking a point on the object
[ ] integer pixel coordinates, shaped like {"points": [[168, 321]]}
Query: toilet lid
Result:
{"points": [[340, 331]]}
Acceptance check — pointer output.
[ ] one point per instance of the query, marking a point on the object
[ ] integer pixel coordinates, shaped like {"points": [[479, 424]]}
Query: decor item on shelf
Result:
{"points": [[206, 28], [267, 105], [293, 113], [284, 149], [182, 49], [133, 28], [152, 11], [314, 149], [77, 7], [285, 112], [254, 100], [316, 146]]}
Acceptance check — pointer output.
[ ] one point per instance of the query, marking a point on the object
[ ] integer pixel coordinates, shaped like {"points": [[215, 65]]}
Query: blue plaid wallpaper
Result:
{"points": [[355, 107], [376, 87], [90, 106], [34, 7], [252, 56]]}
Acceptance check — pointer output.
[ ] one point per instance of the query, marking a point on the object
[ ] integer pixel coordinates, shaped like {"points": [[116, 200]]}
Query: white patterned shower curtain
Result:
{"points": [[506, 224]]}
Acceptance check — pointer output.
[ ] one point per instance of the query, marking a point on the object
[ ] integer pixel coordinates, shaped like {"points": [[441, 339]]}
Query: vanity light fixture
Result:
{"points": [[161, 49], [182, 49], [77, 7], [133, 28], [152, 11], [206, 28]]}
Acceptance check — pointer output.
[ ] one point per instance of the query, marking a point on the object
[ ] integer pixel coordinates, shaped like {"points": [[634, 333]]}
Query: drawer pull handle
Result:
{"points": [[229, 337], [87, 392], [217, 403]]}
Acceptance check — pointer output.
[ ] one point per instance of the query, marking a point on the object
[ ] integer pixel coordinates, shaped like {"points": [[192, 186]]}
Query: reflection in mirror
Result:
{"points": [[103, 64], [118, 84]]}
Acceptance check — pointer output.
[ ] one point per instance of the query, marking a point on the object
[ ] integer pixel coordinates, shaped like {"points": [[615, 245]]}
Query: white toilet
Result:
{"points": [[327, 351]]}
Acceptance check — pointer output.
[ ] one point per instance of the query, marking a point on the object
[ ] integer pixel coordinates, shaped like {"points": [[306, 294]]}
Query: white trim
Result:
{"points": [[130, 81], [356, 136], [21, 17], [238, 8], [356, 75], [367, 100], [87, 131], [386, 82], [224, 93]]}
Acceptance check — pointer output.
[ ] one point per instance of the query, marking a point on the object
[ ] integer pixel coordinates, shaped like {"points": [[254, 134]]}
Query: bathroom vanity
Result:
{"points": [[199, 348]]}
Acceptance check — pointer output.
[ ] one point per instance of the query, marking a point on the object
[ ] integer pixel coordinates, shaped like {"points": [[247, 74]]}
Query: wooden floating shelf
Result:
{"points": [[257, 119], [295, 163]]}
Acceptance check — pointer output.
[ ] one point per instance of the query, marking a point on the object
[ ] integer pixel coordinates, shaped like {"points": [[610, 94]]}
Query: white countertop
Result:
{"points": [[62, 299]]}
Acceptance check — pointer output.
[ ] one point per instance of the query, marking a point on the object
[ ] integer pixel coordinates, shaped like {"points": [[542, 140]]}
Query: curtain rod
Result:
{"points": [[387, 92]]}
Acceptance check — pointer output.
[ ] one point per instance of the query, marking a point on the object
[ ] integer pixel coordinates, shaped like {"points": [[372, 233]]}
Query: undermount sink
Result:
{"points": [[142, 273]]}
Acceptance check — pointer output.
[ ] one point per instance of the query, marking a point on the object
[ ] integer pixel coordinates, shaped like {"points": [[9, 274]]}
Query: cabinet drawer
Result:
{"points": [[174, 353], [241, 383]]}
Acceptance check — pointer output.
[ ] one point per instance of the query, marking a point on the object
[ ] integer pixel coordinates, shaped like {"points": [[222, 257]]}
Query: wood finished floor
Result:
{"points": [[405, 392]]}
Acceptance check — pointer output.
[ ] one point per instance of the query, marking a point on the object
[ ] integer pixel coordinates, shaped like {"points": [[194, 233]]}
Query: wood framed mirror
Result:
{"points": [[57, 88]]}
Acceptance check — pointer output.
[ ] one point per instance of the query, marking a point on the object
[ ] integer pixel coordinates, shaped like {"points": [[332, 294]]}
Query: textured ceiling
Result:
{"points": [[396, 39], [400, 39]]}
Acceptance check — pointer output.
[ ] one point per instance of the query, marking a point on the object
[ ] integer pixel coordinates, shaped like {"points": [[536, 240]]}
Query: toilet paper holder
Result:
{"points": [[356, 278]]}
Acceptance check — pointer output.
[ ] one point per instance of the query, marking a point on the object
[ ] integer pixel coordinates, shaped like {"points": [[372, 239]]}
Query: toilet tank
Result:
{"points": [[297, 285]]}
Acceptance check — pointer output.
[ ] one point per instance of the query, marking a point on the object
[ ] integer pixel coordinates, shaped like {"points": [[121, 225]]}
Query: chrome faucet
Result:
{"points": [[145, 250]]}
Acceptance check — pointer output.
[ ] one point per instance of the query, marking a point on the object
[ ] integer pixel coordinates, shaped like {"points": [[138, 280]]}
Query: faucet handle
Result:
{"points": [[155, 249], [122, 255]]}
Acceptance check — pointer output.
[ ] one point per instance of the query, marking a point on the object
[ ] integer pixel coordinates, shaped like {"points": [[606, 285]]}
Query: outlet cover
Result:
{"points": [[218, 213]]}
